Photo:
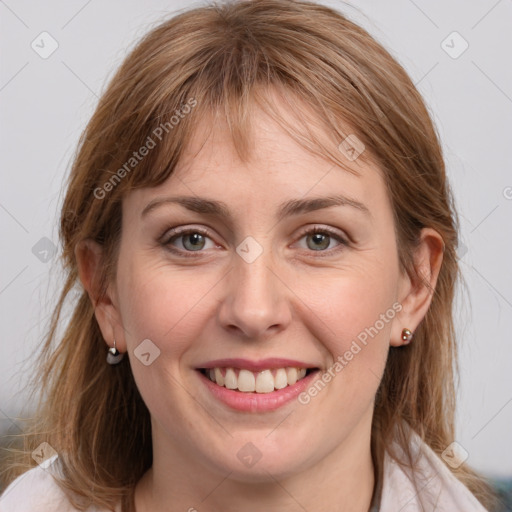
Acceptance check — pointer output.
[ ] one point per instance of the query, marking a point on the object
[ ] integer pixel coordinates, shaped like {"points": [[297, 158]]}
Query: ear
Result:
{"points": [[89, 257], [415, 294]]}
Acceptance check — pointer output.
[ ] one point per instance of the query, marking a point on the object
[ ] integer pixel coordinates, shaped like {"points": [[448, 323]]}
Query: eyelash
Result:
{"points": [[180, 232]]}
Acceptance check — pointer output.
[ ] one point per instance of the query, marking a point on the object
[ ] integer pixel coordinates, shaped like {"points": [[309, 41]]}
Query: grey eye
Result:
{"points": [[193, 241], [319, 241]]}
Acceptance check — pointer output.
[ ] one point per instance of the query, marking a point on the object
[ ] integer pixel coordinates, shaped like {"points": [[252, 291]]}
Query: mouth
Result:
{"points": [[260, 382]]}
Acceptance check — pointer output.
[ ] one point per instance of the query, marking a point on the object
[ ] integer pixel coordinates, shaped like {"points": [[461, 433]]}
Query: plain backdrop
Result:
{"points": [[466, 79]]}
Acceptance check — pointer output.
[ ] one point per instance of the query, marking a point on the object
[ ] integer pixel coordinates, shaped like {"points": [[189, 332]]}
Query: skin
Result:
{"points": [[290, 302]]}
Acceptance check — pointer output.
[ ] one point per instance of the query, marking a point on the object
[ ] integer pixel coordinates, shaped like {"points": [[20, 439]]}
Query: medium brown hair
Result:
{"points": [[224, 58]]}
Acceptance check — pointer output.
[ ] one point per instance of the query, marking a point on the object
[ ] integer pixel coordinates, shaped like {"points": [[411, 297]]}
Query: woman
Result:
{"points": [[260, 219]]}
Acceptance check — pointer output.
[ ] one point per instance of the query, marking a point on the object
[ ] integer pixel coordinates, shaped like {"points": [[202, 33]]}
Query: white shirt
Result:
{"points": [[429, 487]]}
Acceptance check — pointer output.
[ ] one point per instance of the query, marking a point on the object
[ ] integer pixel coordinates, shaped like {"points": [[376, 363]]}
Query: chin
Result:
{"points": [[255, 461]]}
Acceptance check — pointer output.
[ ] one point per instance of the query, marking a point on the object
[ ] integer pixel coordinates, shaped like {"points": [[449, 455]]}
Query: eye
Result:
{"points": [[188, 240], [320, 239], [194, 240]]}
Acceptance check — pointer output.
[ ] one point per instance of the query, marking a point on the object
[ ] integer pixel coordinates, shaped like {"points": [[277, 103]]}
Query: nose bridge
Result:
{"points": [[256, 299]]}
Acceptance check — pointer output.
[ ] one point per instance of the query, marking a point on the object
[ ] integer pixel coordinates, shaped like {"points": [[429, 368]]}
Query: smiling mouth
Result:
{"points": [[265, 381]]}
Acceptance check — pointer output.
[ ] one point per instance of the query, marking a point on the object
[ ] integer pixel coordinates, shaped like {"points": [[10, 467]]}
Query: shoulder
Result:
{"points": [[428, 485], [36, 489]]}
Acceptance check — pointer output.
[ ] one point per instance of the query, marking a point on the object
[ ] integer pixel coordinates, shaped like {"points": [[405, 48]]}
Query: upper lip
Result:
{"points": [[259, 365]]}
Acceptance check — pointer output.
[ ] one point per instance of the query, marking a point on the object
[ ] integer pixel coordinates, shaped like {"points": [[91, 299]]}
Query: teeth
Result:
{"points": [[281, 379], [292, 375], [264, 381], [219, 379], [230, 379], [246, 381]]}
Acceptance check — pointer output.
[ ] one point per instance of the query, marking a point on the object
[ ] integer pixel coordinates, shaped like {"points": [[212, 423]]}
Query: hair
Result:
{"points": [[221, 59]]}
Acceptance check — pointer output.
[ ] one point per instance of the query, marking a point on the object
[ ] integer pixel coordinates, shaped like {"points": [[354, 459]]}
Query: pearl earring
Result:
{"points": [[113, 355], [406, 336]]}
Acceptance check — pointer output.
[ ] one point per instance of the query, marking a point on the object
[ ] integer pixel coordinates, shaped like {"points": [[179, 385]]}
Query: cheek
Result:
{"points": [[169, 308], [355, 314], [345, 314], [163, 305]]}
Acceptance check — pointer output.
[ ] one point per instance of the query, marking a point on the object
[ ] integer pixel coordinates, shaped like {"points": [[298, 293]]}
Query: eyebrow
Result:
{"points": [[292, 207]]}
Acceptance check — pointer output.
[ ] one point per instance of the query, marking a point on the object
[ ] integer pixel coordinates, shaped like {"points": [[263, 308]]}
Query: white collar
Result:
{"points": [[426, 487]]}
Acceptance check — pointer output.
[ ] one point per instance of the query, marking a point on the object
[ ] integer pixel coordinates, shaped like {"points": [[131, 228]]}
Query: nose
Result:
{"points": [[255, 303]]}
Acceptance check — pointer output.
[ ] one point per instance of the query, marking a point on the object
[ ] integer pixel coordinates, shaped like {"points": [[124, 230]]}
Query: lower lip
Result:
{"points": [[257, 402]]}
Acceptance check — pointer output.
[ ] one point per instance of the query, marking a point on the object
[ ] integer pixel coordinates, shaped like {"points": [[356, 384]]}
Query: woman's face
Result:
{"points": [[252, 288]]}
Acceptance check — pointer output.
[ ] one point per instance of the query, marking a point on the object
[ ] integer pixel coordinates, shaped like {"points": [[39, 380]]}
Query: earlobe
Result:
{"points": [[417, 291], [90, 259]]}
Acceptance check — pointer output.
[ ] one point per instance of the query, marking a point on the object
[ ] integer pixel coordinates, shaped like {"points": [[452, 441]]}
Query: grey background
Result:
{"points": [[45, 103]]}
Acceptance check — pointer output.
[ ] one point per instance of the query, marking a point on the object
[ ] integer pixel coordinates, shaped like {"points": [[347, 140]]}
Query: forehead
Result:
{"points": [[276, 166]]}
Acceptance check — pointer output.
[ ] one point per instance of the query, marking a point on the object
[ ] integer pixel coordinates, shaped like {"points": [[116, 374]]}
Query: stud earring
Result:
{"points": [[113, 355], [406, 336]]}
